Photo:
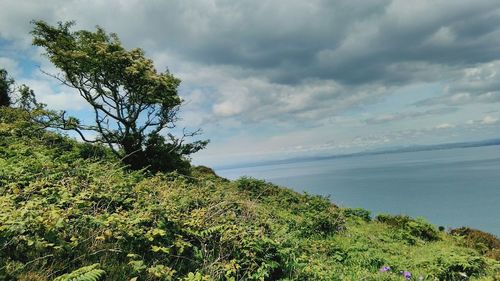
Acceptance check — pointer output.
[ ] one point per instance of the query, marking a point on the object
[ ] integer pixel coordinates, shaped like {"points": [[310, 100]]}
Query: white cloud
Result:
{"points": [[397, 116], [489, 120], [52, 95], [445, 126], [228, 108], [10, 65], [478, 84], [443, 36]]}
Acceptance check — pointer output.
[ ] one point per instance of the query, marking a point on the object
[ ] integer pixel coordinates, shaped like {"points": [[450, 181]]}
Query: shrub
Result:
{"points": [[328, 221], [453, 267], [204, 170], [418, 228], [92, 151], [486, 243], [320, 216], [254, 186], [358, 213]]}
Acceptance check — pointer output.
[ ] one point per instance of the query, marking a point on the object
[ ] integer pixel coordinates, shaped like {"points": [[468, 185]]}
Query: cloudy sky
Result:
{"points": [[280, 79]]}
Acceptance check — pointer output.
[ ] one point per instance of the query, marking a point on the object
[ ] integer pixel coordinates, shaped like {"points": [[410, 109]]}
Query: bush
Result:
{"points": [[326, 222], [361, 213], [204, 170], [320, 216], [486, 243], [418, 228], [253, 186], [92, 151], [160, 156], [454, 267]]}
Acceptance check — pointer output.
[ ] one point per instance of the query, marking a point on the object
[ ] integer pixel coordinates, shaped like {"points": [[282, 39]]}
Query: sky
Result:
{"points": [[269, 80]]}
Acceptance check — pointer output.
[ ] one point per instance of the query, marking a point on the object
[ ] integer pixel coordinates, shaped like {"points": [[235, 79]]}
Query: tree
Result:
{"points": [[6, 84], [27, 100], [132, 102]]}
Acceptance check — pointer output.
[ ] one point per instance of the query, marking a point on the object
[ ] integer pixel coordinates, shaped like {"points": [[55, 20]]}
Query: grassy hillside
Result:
{"points": [[70, 211]]}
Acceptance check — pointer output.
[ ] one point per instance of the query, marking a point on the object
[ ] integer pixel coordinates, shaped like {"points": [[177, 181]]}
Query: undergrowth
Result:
{"points": [[70, 210]]}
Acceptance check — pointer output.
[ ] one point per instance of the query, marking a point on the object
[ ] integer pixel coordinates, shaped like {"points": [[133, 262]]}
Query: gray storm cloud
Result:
{"points": [[291, 46]]}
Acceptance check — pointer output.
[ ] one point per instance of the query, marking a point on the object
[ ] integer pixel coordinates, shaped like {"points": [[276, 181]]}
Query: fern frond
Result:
{"points": [[86, 273]]}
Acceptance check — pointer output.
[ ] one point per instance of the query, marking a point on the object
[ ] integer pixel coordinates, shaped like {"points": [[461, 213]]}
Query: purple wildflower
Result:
{"points": [[385, 268], [406, 274]]}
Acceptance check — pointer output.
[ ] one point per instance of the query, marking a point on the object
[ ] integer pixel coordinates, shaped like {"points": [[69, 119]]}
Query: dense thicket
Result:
{"points": [[70, 210]]}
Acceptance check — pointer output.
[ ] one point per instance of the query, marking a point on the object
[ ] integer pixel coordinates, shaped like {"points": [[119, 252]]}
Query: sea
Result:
{"points": [[450, 188]]}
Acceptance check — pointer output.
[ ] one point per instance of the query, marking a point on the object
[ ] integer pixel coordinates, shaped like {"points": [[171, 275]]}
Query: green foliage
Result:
{"points": [[133, 103], [318, 216], [411, 228], [6, 90], [363, 214], [93, 151], [255, 187], [455, 267], [86, 273], [206, 172], [485, 243], [65, 205], [196, 277], [27, 100], [160, 155]]}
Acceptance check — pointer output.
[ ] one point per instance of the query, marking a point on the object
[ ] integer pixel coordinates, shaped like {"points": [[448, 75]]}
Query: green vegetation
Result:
{"points": [[73, 211], [485, 243], [133, 104], [86, 273], [5, 88]]}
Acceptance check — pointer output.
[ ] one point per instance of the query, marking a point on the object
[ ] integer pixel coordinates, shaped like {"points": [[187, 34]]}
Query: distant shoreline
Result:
{"points": [[414, 148]]}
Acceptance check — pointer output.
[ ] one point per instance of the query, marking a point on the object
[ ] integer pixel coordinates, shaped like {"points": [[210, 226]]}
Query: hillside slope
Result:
{"points": [[69, 207]]}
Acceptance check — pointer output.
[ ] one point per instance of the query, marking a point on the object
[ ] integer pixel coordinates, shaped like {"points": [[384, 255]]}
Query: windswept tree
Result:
{"points": [[6, 84], [133, 104], [27, 100]]}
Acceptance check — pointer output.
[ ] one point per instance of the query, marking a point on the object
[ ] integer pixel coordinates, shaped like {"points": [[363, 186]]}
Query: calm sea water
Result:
{"points": [[456, 187]]}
